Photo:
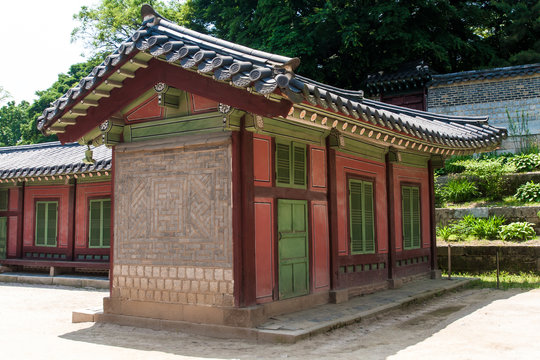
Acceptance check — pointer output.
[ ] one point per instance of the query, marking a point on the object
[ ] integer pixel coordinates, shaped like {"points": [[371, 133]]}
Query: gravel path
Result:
{"points": [[35, 323]]}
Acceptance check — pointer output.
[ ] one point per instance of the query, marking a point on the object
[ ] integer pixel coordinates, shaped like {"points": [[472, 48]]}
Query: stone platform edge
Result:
{"points": [[256, 334], [74, 281]]}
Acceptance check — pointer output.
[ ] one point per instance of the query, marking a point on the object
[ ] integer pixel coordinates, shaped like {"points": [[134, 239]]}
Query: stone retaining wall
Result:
{"points": [[511, 213], [512, 181], [478, 259]]}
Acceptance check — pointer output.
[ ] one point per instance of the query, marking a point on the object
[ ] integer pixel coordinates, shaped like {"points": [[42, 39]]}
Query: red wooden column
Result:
{"points": [[433, 235], [391, 217], [244, 270], [332, 216]]}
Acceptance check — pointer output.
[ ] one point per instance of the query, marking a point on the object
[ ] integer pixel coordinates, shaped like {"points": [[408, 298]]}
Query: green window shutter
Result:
{"points": [[290, 164], [40, 223], [95, 224], [369, 225], [299, 164], [406, 217], [99, 233], [46, 223], [4, 199], [355, 209], [411, 217], [415, 220], [362, 221], [106, 231], [3, 237], [52, 221], [283, 164]]}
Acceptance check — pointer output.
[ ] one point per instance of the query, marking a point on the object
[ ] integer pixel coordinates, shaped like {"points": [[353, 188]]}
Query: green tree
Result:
{"points": [[103, 27], [341, 41], [515, 31], [12, 118], [4, 95], [29, 132]]}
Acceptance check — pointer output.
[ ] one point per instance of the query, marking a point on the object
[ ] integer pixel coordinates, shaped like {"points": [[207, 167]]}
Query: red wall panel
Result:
{"points": [[13, 222], [349, 165], [12, 243], [406, 175], [52, 192], [200, 103], [320, 245], [84, 193], [317, 167], [264, 249], [262, 160]]}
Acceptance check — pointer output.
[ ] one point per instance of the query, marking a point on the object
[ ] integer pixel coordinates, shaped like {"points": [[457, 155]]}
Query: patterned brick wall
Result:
{"points": [[173, 235], [490, 97]]}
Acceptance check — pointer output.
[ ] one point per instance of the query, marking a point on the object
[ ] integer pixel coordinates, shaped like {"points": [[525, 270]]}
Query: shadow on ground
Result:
{"points": [[376, 338]]}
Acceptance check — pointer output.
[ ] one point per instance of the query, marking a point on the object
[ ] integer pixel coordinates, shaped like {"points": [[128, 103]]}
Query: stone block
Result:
{"points": [[218, 274], [190, 273], [209, 274], [173, 272], [199, 273], [168, 284], [228, 275], [181, 272]]}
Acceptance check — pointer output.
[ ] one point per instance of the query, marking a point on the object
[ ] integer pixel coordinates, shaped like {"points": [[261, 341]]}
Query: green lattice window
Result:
{"points": [[290, 164], [410, 210], [46, 223], [3, 199], [361, 217], [99, 233]]}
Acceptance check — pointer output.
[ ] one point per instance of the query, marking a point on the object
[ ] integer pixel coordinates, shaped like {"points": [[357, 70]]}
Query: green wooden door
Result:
{"points": [[3, 237], [293, 248]]}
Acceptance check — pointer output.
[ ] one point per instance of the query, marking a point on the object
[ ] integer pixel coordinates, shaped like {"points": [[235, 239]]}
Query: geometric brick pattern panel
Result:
{"points": [[173, 207]]}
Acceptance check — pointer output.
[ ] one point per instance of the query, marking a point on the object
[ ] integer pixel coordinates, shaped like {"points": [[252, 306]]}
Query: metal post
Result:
{"points": [[498, 270], [449, 262]]}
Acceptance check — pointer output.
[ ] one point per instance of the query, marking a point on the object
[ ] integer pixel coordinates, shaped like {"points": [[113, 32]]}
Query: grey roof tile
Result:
{"points": [[475, 75], [50, 158]]}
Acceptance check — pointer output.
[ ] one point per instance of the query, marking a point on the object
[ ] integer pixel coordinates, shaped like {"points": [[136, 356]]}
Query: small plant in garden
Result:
{"points": [[444, 232], [528, 192], [518, 129], [488, 228], [525, 163], [464, 227], [520, 231], [459, 190]]}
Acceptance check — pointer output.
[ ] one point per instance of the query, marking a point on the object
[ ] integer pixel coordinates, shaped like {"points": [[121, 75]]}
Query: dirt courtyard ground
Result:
{"points": [[35, 323]]}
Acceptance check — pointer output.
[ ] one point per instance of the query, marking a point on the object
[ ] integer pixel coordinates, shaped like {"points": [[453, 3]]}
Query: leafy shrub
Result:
{"points": [[525, 163], [451, 165], [488, 228], [444, 232], [464, 227], [489, 174], [517, 231], [471, 226], [528, 192], [459, 190]]}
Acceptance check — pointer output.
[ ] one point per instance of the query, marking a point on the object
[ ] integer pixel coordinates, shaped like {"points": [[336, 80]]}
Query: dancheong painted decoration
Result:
{"points": [[240, 189]]}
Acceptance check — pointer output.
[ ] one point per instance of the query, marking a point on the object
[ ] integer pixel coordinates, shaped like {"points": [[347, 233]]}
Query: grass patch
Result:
{"points": [[523, 280]]}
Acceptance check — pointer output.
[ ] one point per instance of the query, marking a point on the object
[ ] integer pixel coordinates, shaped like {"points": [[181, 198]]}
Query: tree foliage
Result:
{"points": [[341, 41], [103, 27], [18, 121], [338, 41]]}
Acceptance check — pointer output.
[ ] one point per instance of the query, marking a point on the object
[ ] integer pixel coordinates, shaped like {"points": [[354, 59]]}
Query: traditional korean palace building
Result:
{"points": [[241, 189]]}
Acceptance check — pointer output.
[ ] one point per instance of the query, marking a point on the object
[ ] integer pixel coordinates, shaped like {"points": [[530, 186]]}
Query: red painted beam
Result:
{"points": [[175, 76]]}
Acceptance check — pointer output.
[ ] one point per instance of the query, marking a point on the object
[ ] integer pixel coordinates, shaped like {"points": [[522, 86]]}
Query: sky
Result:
{"points": [[36, 44]]}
